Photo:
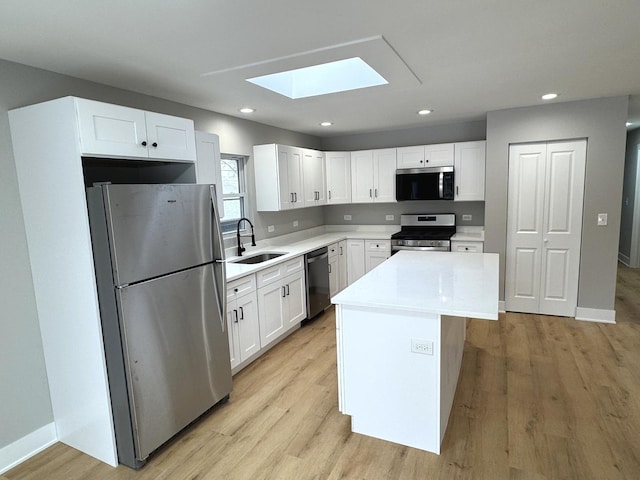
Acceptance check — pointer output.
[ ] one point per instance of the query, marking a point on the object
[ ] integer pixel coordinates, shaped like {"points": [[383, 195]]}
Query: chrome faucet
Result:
{"points": [[238, 236]]}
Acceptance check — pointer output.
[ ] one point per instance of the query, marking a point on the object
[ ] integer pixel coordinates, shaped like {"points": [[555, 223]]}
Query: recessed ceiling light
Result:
{"points": [[629, 124], [424, 112], [349, 74], [247, 110], [326, 124], [549, 96]]}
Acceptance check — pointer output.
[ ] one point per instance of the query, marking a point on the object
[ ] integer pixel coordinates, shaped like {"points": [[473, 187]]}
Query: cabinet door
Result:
{"points": [[111, 130], [384, 175], [355, 260], [249, 329], [296, 300], [294, 173], [233, 327], [373, 259], [338, 169], [411, 157], [271, 312], [170, 137], [314, 177], [377, 251], [469, 171], [342, 265], [286, 155], [208, 164], [334, 270], [362, 176], [439, 155]]}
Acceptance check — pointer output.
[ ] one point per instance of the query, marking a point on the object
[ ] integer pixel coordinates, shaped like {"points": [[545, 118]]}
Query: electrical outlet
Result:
{"points": [[271, 228], [389, 218], [602, 219], [295, 223], [425, 347], [467, 218], [347, 217]]}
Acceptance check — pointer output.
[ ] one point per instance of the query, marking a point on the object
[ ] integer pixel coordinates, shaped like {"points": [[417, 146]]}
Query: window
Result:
{"points": [[233, 190]]}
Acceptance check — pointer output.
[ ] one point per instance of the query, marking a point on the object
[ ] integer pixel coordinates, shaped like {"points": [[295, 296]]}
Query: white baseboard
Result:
{"points": [[20, 450], [502, 308], [624, 259], [595, 315]]}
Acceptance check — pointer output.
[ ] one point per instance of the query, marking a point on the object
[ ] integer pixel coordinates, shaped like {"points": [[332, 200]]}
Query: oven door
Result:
{"points": [[396, 248]]}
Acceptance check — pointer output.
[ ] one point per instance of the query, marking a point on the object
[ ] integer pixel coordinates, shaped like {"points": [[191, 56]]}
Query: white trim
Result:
{"points": [[502, 306], [27, 446], [595, 315], [624, 259], [634, 251]]}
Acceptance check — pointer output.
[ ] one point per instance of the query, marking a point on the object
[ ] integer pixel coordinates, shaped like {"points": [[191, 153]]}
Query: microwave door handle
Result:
{"points": [[441, 185]]}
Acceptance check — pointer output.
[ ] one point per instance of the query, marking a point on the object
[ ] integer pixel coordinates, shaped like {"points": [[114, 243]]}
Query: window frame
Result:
{"points": [[229, 226]]}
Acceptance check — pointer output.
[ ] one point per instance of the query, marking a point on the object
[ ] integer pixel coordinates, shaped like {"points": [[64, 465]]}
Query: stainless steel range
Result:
{"points": [[424, 232]]}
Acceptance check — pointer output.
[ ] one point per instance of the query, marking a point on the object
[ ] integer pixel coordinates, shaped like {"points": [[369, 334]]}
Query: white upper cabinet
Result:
{"points": [[469, 171], [373, 176], [314, 178], [121, 132], [278, 173], [338, 170], [438, 155], [208, 164]]}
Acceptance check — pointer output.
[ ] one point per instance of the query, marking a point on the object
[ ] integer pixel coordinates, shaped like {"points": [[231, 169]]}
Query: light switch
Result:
{"points": [[602, 219]]}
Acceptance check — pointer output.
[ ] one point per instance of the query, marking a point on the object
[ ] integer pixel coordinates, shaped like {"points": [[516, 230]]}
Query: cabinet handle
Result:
{"points": [[376, 192], [329, 268], [457, 193], [235, 290], [287, 289], [144, 144], [329, 194], [241, 313], [340, 250], [235, 312], [295, 197], [291, 197], [154, 144], [284, 292], [370, 193]]}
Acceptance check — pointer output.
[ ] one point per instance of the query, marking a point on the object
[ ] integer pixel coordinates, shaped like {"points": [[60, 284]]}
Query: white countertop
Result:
{"points": [[468, 237], [447, 283], [292, 250]]}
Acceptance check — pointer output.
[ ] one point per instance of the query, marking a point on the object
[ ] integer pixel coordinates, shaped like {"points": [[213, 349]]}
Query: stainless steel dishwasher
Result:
{"points": [[317, 273]]}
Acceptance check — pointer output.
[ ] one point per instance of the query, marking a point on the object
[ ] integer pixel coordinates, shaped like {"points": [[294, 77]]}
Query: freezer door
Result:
{"points": [[158, 229], [176, 353]]}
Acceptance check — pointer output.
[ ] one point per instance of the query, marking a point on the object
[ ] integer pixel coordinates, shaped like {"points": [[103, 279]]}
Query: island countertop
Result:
{"points": [[446, 283]]}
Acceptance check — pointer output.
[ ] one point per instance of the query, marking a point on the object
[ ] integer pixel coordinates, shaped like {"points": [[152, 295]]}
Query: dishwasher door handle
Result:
{"points": [[319, 257]]}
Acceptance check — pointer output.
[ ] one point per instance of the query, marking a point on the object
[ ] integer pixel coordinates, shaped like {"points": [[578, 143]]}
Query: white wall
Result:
{"points": [[602, 123], [24, 395]]}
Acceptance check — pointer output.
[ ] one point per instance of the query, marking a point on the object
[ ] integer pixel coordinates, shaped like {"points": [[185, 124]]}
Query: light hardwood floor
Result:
{"points": [[538, 398]]}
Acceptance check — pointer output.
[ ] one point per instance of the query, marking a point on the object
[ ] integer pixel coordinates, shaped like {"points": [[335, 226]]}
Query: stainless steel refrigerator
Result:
{"points": [[159, 261]]}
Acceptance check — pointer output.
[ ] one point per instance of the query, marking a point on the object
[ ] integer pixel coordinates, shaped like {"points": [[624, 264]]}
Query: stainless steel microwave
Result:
{"points": [[433, 183]]}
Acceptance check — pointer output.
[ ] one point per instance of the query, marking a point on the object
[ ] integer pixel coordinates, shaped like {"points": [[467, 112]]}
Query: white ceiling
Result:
{"points": [[461, 58]]}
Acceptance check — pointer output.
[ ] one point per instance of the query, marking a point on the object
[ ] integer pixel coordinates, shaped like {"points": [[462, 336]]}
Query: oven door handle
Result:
{"points": [[441, 185], [396, 248]]}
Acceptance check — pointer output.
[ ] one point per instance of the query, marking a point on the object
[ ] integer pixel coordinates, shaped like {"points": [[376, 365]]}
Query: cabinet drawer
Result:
{"points": [[471, 247], [294, 265], [377, 245], [269, 275], [333, 250], [241, 286]]}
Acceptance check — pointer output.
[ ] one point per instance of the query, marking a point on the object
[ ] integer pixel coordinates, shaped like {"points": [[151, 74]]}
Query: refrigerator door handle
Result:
{"points": [[219, 266]]}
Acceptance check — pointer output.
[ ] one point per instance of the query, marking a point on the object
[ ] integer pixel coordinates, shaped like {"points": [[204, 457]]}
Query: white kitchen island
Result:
{"points": [[400, 338]]}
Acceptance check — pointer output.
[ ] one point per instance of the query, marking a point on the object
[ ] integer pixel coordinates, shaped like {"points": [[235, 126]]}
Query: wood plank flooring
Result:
{"points": [[538, 398]]}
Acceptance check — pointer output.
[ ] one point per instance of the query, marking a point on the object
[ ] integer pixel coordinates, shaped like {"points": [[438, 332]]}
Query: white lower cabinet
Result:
{"points": [[376, 252], [470, 247], [337, 267], [281, 299], [342, 265], [242, 319], [355, 260]]}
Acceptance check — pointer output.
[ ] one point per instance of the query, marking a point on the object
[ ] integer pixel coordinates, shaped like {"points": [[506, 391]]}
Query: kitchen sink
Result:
{"points": [[259, 258]]}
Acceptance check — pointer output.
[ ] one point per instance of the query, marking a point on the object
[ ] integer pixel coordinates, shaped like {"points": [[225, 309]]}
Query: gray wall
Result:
{"points": [[602, 122], [629, 193], [25, 404]]}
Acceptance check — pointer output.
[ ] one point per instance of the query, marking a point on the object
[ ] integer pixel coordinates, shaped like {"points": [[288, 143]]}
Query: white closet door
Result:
{"points": [[524, 226], [546, 188], [562, 230]]}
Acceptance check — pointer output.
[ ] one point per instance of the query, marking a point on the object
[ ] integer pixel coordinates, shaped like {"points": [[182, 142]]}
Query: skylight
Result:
{"points": [[340, 76]]}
